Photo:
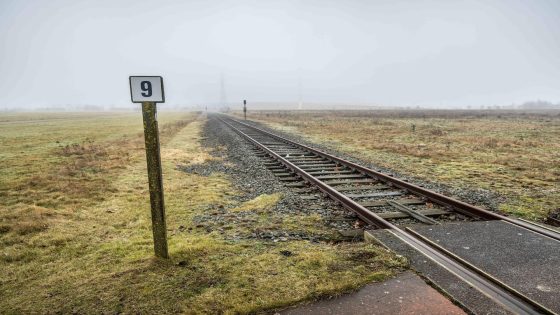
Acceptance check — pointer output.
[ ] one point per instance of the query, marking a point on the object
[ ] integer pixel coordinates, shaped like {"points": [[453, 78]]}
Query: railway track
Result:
{"points": [[387, 203]]}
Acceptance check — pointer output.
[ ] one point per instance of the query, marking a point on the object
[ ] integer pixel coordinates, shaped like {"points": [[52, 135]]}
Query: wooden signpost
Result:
{"points": [[148, 90]]}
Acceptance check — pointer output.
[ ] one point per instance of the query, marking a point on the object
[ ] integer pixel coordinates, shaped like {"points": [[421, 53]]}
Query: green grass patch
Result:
{"points": [[80, 241]]}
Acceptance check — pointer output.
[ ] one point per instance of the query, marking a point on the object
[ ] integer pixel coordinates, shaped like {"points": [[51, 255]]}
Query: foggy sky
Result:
{"points": [[392, 52]]}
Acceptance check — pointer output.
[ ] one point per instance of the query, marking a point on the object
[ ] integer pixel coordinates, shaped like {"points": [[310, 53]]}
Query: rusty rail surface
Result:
{"points": [[486, 284]]}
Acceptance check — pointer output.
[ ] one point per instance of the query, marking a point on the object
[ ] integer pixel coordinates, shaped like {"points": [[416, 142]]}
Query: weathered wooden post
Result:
{"points": [[245, 109], [148, 90]]}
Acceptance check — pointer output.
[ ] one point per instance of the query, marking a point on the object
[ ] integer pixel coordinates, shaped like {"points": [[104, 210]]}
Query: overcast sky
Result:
{"points": [[392, 52]]}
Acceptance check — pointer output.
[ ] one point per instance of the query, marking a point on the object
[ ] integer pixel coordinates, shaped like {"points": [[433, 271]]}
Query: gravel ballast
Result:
{"points": [[251, 178]]}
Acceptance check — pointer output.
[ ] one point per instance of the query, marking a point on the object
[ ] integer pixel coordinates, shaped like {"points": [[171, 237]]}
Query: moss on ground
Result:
{"points": [[89, 250]]}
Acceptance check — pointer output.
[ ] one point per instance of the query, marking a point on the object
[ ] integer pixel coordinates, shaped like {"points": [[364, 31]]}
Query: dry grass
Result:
{"points": [[514, 154], [67, 171], [75, 233]]}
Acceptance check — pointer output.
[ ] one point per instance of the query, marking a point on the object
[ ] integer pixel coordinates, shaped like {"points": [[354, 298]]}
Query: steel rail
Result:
{"points": [[364, 213], [432, 196], [496, 291]]}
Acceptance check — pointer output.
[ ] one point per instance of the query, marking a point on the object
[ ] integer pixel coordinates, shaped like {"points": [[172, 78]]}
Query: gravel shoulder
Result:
{"points": [[291, 218]]}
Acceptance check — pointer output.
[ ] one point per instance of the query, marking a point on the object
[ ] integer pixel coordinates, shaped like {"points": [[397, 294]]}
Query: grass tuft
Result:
{"points": [[261, 203]]}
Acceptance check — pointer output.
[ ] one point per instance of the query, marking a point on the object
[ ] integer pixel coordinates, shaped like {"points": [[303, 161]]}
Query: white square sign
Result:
{"points": [[146, 89]]}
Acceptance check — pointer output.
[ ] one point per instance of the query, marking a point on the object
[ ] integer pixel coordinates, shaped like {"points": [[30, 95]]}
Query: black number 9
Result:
{"points": [[146, 87]]}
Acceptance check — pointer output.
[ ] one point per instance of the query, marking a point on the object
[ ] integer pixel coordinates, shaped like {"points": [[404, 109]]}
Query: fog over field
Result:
{"points": [[391, 53]]}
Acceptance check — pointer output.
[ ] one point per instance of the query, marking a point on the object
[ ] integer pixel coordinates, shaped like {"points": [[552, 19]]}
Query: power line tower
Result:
{"points": [[300, 93], [223, 98]]}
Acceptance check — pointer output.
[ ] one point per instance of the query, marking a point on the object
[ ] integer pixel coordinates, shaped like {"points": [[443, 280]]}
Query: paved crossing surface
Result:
{"points": [[405, 294]]}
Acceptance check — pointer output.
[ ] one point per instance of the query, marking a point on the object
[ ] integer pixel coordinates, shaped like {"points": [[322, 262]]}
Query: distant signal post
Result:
{"points": [[245, 109], [148, 90]]}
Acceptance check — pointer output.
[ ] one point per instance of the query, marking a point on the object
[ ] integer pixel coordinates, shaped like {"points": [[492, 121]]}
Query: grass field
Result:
{"points": [[75, 230], [515, 154]]}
